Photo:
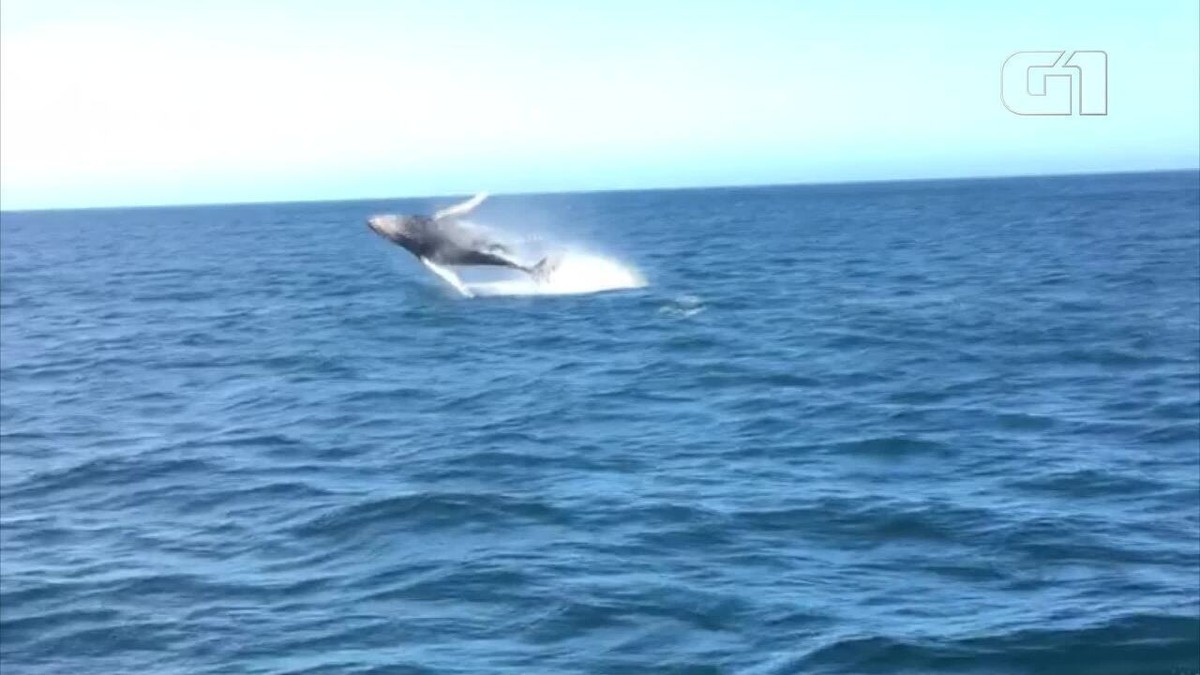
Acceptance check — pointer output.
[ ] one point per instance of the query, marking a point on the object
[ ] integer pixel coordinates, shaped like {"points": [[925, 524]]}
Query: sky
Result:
{"points": [[138, 102]]}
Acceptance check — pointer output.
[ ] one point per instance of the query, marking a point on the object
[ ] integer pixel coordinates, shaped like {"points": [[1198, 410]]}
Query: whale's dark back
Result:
{"points": [[445, 240], [425, 237]]}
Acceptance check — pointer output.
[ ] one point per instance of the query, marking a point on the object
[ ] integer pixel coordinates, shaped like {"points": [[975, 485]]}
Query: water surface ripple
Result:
{"points": [[921, 427]]}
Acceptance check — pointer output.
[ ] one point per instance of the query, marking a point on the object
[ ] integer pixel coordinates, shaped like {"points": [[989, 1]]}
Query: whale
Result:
{"points": [[445, 239]]}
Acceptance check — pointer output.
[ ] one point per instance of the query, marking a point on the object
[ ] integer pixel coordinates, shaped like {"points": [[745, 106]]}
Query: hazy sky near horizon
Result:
{"points": [[155, 102]]}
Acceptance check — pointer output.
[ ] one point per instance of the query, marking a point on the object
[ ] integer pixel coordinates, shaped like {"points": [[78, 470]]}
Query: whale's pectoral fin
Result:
{"points": [[461, 209], [447, 276]]}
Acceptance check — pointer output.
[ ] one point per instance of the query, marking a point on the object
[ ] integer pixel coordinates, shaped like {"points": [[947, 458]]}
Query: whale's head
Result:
{"points": [[393, 227]]}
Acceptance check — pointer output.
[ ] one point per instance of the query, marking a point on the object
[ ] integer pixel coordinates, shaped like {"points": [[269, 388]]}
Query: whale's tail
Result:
{"points": [[545, 267]]}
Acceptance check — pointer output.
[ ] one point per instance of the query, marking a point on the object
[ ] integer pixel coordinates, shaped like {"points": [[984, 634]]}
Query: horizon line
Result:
{"points": [[663, 188]]}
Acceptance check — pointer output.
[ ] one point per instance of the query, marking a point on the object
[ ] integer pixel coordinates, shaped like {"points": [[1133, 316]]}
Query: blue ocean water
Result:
{"points": [[916, 427]]}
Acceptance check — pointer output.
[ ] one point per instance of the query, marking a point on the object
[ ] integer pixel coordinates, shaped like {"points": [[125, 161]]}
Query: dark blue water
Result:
{"points": [[926, 427]]}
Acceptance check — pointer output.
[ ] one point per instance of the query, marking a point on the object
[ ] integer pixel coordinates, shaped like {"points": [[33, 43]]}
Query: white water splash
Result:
{"points": [[576, 272], [683, 307]]}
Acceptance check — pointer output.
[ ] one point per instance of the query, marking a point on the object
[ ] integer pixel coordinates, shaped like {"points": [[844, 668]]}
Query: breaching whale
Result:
{"points": [[444, 239]]}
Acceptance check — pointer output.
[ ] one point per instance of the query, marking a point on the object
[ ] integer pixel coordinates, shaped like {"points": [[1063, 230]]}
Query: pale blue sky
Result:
{"points": [[140, 102]]}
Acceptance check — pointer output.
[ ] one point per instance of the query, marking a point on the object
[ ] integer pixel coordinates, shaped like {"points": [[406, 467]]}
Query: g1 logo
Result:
{"points": [[1055, 83]]}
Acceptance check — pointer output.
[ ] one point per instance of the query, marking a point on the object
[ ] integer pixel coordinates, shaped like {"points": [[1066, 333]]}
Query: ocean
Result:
{"points": [[898, 427]]}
